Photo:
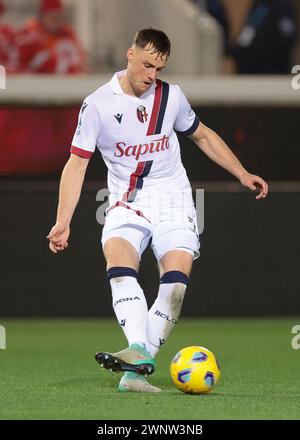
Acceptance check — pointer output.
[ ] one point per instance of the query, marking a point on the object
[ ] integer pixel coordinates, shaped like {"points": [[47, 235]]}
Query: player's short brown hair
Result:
{"points": [[158, 40]]}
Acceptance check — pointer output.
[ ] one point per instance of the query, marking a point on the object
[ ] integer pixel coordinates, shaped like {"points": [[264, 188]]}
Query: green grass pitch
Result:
{"points": [[48, 371]]}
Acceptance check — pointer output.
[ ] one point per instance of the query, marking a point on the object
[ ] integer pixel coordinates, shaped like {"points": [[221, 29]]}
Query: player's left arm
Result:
{"points": [[217, 150]]}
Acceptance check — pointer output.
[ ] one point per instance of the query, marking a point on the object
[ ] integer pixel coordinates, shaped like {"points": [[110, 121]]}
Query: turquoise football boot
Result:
{"points": [[135, 382]]}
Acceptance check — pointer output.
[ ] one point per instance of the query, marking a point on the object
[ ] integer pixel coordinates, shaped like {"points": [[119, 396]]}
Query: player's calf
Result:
{"points": [[165, 312]]}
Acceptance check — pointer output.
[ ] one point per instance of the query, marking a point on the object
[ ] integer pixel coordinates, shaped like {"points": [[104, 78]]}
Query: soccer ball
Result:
{"points": [[195, 370]]}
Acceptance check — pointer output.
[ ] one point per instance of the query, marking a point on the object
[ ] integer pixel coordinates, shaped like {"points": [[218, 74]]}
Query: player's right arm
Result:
{"points": [[69, 193], [83, 147]]}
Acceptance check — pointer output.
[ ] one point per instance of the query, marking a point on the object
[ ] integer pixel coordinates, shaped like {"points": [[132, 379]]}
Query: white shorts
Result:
{"points": [[171, 230]]}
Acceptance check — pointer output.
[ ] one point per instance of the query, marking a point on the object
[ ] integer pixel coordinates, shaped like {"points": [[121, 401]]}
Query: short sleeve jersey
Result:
{"points": [[136, 135]]}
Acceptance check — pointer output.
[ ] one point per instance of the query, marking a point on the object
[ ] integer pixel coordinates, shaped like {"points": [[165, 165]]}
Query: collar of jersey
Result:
{"points": [[117, 89]]}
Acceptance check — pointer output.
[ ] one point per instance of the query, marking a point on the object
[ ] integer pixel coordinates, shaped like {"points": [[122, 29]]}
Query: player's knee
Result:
{"points": [[120, 253]]}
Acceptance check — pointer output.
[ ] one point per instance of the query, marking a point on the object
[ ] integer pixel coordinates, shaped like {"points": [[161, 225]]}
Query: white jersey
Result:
{"points": [[136, 137]]}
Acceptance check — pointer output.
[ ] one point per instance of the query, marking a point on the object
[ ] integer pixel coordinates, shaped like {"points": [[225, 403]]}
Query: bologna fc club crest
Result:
{"points": [[142, 115]]}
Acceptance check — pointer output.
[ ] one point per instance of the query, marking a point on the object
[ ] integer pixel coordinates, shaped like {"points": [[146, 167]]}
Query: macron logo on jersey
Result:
{"points": [[156, 146], [119, 117]]}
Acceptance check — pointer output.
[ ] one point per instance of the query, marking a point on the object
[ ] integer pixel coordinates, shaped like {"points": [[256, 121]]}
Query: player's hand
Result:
{"points": [[255, 182], [58, 238]]}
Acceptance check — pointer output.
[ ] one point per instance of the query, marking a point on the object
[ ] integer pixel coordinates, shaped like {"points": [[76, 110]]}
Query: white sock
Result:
{"points": [[131, 308], [164, 314]]}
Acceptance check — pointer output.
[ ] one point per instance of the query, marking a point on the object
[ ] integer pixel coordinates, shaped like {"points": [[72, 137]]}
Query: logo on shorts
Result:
{"points": [[141, 113]]}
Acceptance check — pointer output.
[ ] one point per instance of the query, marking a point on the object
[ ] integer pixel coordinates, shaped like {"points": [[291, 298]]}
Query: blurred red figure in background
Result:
{"points": [[7, 51], [48, 45]]}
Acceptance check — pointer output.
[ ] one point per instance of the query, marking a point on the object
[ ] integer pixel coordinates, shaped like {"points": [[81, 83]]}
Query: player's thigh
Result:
{"points": [[125, 236], [119, 252], [176, 260], [175, 247], [124, 245]]}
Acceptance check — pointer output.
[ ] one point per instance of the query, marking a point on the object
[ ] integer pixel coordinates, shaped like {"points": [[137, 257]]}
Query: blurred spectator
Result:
{"points": [[259, 34], [48, 45], [7, 51]]}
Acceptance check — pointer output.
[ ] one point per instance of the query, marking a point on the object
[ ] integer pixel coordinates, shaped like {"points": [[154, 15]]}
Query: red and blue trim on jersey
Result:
{"points": [[192, 129], [135, 184], [137, 180], [159, 107], [123, 205], [81, 153]]}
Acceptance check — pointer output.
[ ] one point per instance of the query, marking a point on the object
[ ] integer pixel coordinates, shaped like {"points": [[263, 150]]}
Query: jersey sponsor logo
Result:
{"points": [[141, 113], [136, 151], [123, 322], [119, 117], [126, 299]]}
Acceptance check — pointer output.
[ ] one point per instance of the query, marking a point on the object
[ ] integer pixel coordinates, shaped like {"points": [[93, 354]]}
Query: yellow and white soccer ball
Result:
{"points": [[195, 370]]}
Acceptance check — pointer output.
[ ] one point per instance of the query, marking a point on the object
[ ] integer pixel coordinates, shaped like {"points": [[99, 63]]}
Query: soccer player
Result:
{"points": [[132, 121]]}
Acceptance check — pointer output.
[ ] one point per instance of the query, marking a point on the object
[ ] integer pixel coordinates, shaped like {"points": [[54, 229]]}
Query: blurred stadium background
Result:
{"points": [[250, 249]]}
